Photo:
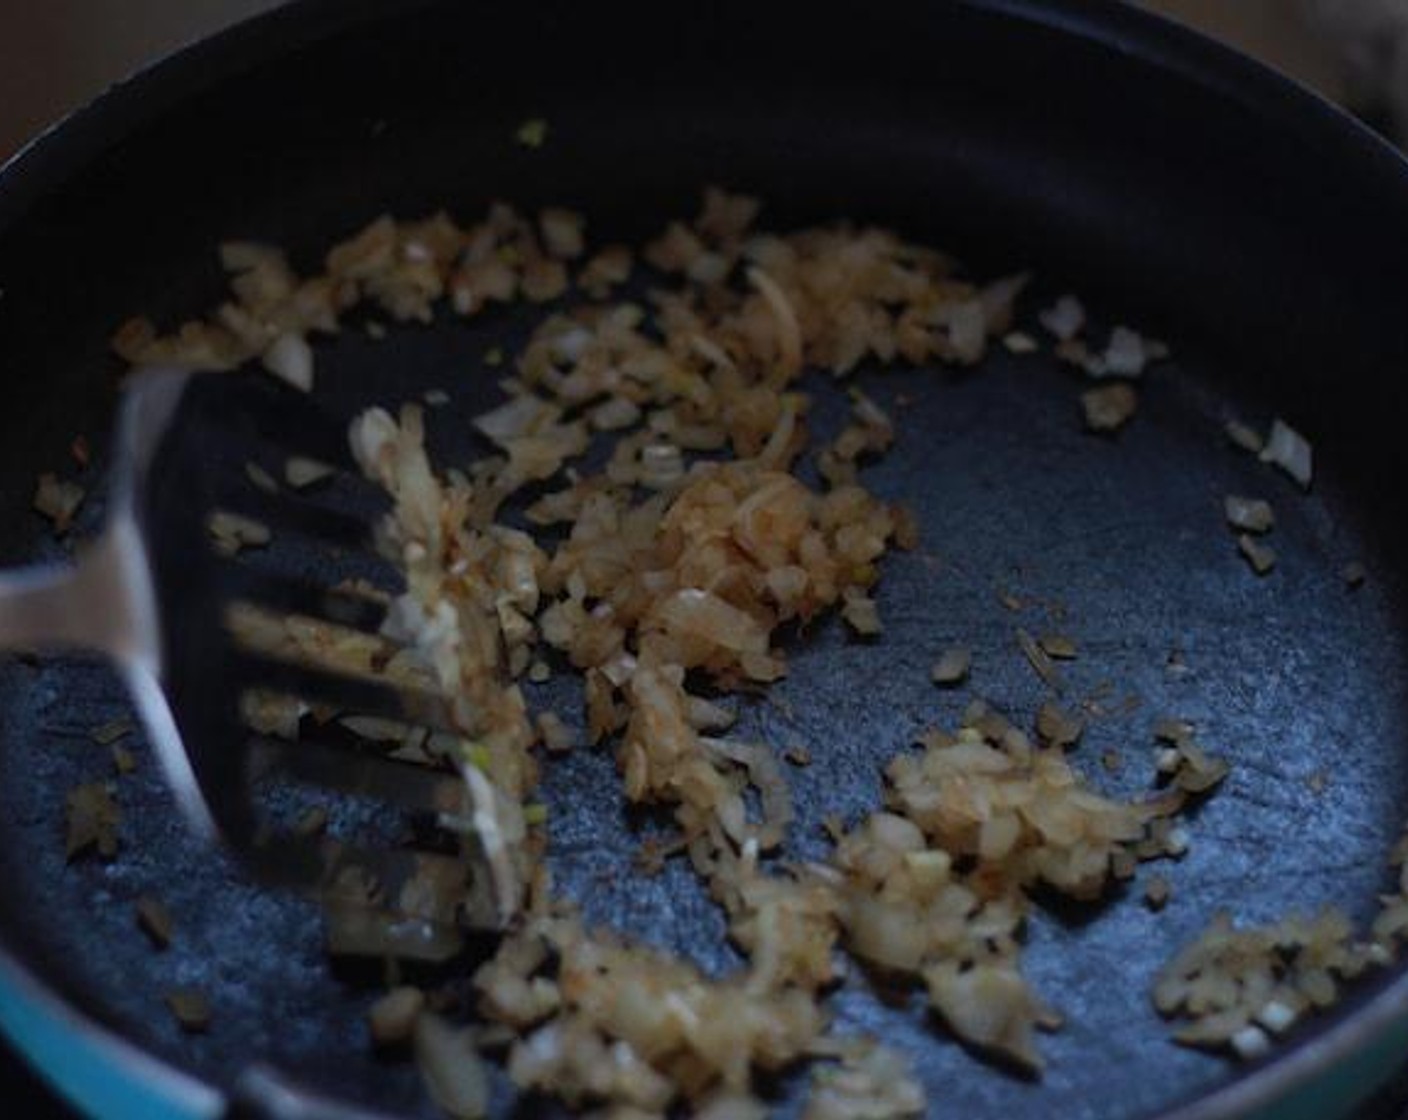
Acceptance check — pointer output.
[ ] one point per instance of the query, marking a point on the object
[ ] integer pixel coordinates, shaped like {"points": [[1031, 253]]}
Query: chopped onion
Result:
{"points": [[356, 931], [1058, 727], [556, 736], [260, 478], [952, 667], [154, 920], [1058, 646], [615, 414], [990, 1006], [233, 531], [300, 472], [58, 501], [1110, 407], [1244, 437], [392, 1018], [562, 233], [532, 133], [191, 1007], [112, 731], [789, 332], [968, 331], [1277, 1017], [451, 1068], [519, 416], [999, 300], [245, 256], [1039, 661], [1126, 355], [93, 820], [290, 358], [1065, 319], [862, 615], [1289, 450], [767, 777], [1249, 515], [1261, 557], [1156, 893]]}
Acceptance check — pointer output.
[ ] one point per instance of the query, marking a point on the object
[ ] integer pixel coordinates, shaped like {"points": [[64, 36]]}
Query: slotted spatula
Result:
{"points": [[153, 593]]}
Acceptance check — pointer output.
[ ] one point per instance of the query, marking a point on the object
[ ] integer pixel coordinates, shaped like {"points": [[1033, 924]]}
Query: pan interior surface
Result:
{"points": [[1170, 199]]}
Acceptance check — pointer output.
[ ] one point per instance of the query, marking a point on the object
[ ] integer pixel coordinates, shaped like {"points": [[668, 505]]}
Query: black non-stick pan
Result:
{"points": [[1173, 185]]}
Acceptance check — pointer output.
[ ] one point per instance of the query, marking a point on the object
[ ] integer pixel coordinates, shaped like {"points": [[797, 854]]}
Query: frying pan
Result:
{"points": [[1174, 185]]}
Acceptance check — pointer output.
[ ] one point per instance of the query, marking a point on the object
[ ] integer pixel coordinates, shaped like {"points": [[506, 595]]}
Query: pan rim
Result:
{"points": [[72, 142], [33, 1017]]}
